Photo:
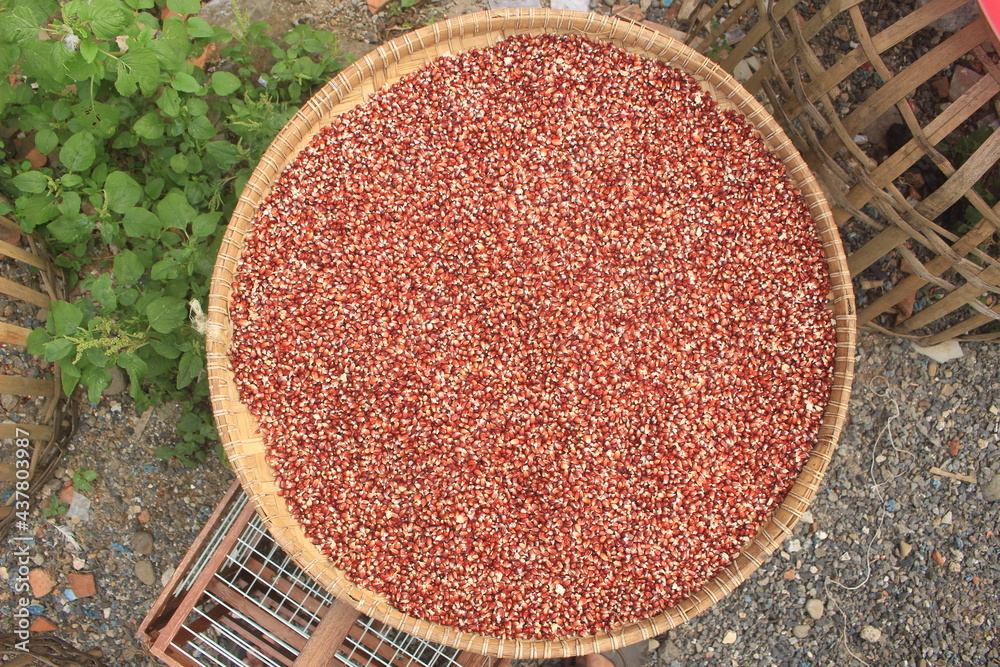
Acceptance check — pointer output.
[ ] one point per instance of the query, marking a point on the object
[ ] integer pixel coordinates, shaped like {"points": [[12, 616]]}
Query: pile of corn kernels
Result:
{"points": [[537, 338]]}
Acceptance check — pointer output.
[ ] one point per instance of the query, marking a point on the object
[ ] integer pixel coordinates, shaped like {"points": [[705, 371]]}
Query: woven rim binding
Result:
{"points": [[240, 432]]}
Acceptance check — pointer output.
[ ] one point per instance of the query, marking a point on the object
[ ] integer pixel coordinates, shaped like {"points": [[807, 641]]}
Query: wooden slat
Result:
{"points": [[985, 157], [936, 267], [951, 302], [963, 328], [194, 594], [328, 636], [371, 646], [20, 386], [19, 291], [904, 83], [14, 252], [891, 36], [13, 334], [783, 54], [9, 431], [263, 646], [10, 225], [936, 131], [255, 613], [281, 585], [470, 659], [166, 603]]}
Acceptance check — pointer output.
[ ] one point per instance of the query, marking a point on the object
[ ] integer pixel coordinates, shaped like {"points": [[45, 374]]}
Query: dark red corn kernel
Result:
{"points": [[537, 338]]}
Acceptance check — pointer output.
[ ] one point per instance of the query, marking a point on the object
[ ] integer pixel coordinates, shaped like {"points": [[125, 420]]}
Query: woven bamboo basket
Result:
{"points": [[354, 85], [951, 270], [34, 407]]}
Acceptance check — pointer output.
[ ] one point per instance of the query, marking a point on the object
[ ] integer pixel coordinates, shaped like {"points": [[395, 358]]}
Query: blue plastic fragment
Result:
{"points": [[36, 609], [891, 506], [121, 549], [667, 3], [70, 595], [936, 483]]}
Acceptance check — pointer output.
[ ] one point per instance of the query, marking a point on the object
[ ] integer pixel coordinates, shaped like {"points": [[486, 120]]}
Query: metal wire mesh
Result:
{"points": [[261, 609]]}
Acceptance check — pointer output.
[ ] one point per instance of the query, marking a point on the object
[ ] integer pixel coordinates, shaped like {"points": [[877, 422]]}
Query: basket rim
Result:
{"points": [[240, 433]]}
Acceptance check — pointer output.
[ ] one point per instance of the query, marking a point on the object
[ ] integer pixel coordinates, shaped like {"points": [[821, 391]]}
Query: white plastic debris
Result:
{"points": [[942, 352]]}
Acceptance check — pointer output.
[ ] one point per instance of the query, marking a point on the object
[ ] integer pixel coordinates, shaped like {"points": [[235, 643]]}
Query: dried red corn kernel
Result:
{"points": [[537, 338]]}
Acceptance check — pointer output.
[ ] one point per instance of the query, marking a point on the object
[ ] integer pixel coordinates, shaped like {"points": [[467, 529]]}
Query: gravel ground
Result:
{"points": [[898, 565]]}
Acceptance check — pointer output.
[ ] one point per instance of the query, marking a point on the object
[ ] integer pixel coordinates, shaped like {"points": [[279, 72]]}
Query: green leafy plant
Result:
{"points": [[395, 9], [147, 153], [56, 507], [720, 48], [82, 479]]}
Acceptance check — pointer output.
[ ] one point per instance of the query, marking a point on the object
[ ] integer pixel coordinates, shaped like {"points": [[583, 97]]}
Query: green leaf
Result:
{"points": [[174, 210], [140, 65], [19, 26], [224, 153], [31, 181], [205, 224], [96, 380], [137, 370], [46, 140], [166, 313], [140, 223], [224, 83], [89, 50], [190, 367], [166, 269], [122, 191], [108, 18], [78, 152], [65, 317], [199, 27], [70, 376], [36, 209], [154, 187], [70, 203], [164, 349], [184, 6], [186, 83], [169, 102], [179, 163], [72, 228], [149, 126], [164, 453], [201, 128], [103, 292], [71, 180], [57, 349], [128, 268], [37, 340], [197, 106]]}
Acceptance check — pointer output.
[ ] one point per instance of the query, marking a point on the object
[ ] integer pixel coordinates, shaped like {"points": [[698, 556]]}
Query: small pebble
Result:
{"points": [[729, 637], [142, 543], [904, 549], [801, 631], [815, 609], [871, 634], [144, 572], [991, 490]]}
